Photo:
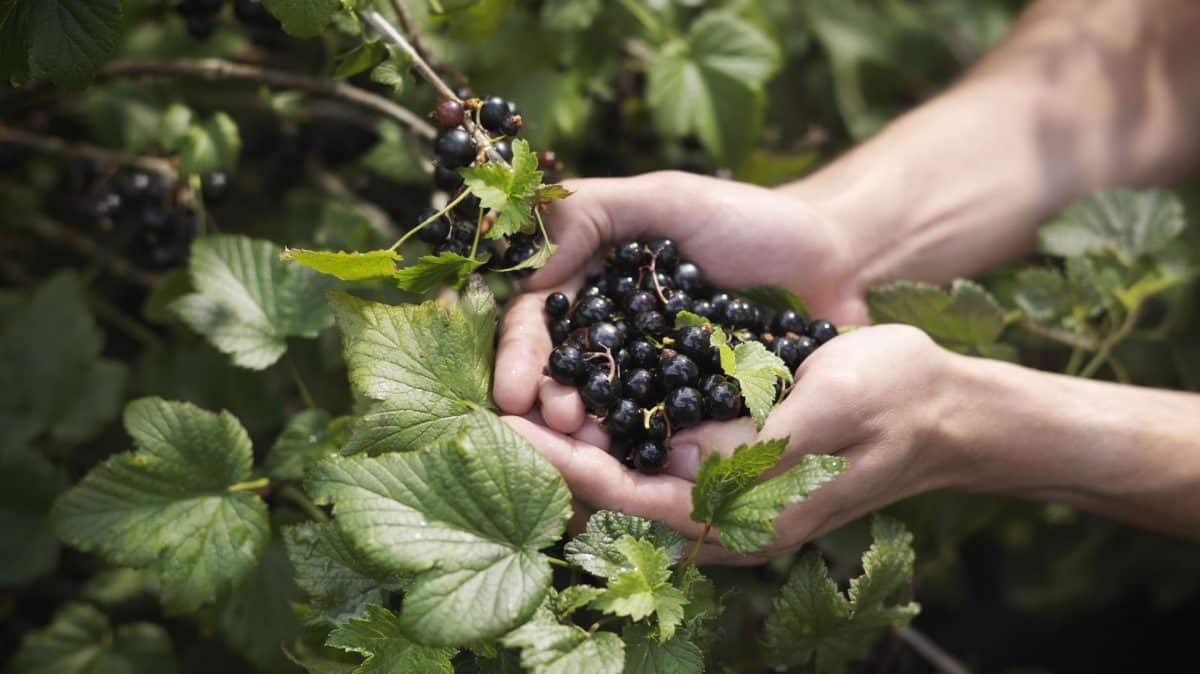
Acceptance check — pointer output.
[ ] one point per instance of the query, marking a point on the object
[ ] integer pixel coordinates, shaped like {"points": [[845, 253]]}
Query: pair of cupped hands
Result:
{"points": [[866, 395]]}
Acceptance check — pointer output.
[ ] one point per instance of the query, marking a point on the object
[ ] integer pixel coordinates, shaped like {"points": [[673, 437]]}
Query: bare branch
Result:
{"points": [[62, 148], [933, 653], [56, 232], [409, 24]]}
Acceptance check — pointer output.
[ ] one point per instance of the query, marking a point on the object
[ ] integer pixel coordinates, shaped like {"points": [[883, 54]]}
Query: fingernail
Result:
{"points": [[685, 459]]}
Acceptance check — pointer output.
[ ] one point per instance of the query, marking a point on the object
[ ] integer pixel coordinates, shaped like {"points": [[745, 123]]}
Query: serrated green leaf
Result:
{"points": [[256, 616], [550, 648], [466, 517], [721, 480], [168, 505], [28, 485], [359, 59], [431, 272], [1042, 294], [711, 83], [509, 192], [372, 264], [645, 588], [212, 146], [81, 640], [339, 582], [571, 599], [814, 624], [391, 72], [746, 523], [52, 378], [595, 550], [756, 370], [379, 637], [550, 193], [308, 437], [644, 654], [248, 301], [1126, 223], [431, 364], [965, 319], [303, 18], [69, 40]]}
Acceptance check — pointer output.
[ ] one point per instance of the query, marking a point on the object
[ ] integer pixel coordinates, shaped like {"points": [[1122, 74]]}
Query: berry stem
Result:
{"points": [[691, 558], [1111, 342], [478, 231], [435, 216], [298, 498], [57, 146], [542, 226], [251, 485]]}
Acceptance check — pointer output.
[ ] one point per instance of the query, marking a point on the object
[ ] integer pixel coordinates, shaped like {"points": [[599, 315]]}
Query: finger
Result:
{"points": [[562, 407], [591, 433], [602, 482], [690, 446], [523, 349]]}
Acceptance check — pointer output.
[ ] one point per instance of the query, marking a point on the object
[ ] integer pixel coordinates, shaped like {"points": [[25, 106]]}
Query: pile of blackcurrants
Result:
{"points": [[201, 15], [618, 345], [456, 147]]}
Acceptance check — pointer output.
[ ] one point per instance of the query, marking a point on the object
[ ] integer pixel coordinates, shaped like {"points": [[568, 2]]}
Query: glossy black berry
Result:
{"points": [[805, 346], [665, 254], [447, 114], [504, 149], [592, 309], [518, 252], [446, 179], [560, 329], [640, 385], [464, 230], [687, 277], [685, 407], [624, 417], [677, 301], [703, 309], [599, 391], [723, 400], [676, 370], [649, 457], [642, 353], [437, 230], [739, 313], [693, 341], [651, 324], [493, 112], [548, 161], [468, 208], [720, 302], [566, 365], [455, 148], [712, 380], [656, 427], [621, 284], [511, 126], [655, 282], [557, 305], [822, 331], [604, 336], [639, 301], [454, 246], [788, 321], [215, 187], [629, 256]]}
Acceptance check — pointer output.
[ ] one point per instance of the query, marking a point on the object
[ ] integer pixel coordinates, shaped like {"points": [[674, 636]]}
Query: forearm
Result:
{"points": [[1082, 95], [1125, 452]]}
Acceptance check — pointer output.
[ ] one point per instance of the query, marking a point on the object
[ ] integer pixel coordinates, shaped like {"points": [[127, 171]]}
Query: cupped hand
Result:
{"points": [[741, 235], [874, 396]]}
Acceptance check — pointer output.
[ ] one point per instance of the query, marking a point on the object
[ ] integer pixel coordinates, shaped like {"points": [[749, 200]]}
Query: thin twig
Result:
{"points": [[222, 70], [62, 148], [1071, 339], [1111, 343], [56, 232], [409, 24], [933, 653], [298, 498]]}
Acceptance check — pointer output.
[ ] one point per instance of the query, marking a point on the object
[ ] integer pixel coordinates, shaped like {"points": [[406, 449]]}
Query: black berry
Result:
{"points": [[723, 400], [788, 321], [599, 391], [446, 179], [676, 370], [685, 407], [649, 457], [624, 417], [557, 305], [604, 336], [822, 331], [455, 148], [493, 112], [640, 385], [566, 365], [437, 230]]}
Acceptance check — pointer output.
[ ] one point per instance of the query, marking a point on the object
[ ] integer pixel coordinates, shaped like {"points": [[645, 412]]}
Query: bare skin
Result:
{"points": [[1082, 95]]}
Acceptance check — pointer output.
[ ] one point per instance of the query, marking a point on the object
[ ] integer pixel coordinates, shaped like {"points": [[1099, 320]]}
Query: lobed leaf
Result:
{"points": [[966, 319], [509, 192], [644, 588], [758, 372], [431, 272], [373, 264], [81, 640], [595, 550], [548, 647], [303, 18], [379, 637], [340, 583], [644, 654], [1126, 223], [721, 480]]}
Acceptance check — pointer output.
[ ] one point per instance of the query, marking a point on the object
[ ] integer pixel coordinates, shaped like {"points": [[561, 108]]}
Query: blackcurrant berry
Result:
{"points": [[455, 148], [504, 149], [643, 353], [703, 309], [677, 301], [649, 457], [676, 370], [657, 427], [787, 321], [557, 305], [723, 401], [446, 179], [437, 230], [639, 301], [468, 208], [685, 407], [459, 248], [619, 448], [215, 187], [693, 341], [518, 252], [822, 331], [651, 324], [492, 113], [560, 329], [720, 302], [805, 346], [599, 391], [592, 309], [604, 336], [447, 114], [511, 126], [739, 313], [687, 277], [621, 284], [665, 254], [655, 282], [640, 385], [629, 256], [566, 365], [712, 380], [624, 417]]}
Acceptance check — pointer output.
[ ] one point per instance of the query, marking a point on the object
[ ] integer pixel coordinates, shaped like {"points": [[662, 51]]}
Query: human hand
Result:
{"points": [[874, 396], [740, 234]]}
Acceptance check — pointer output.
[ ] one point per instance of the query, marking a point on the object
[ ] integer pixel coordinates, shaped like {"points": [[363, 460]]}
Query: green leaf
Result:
{"points": [[52, 378], [309, 436], [645, 588], [215, 145], [1043, 294], [173, 125], [595, 550], [536, 261], [1126, 223], [363, 57], [339, 582], [711, 83], [550, 193], [437, 271], [373, 264], [303, 18], [248, 302], [80, 640], [746, 520], [509, 192], [721, 480], [814, 624], [69, 40], [967, 319], [571, 599], [467, 517], [431, 363], [569, 15], [645, 655], [168, 505], [391, 72], [256, 616], [320, 659], [379, 636], [550, 648], [756, 370], [28, 485]]}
